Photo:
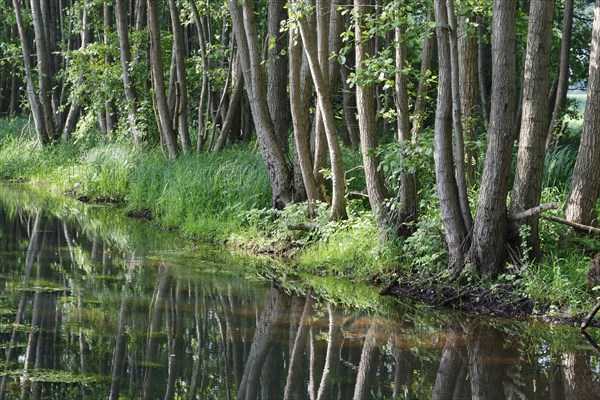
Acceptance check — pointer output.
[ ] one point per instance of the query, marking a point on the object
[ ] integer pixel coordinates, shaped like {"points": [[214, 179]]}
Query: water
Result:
{"points": [[96, 306]]}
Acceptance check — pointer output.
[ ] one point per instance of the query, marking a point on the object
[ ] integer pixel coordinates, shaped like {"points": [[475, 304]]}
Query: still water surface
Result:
{"points": [[94, 306]]}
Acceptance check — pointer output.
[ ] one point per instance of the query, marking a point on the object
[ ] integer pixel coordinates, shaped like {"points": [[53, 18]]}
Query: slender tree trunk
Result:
{"points": [[534, 122], [338, 202], [365, 97], [563, 71], [205, 85], [459, 141], [244, 25], [469, 92], [233, 109], [300, 117], [182, 113], [483, 54], [456, 232], [42, 129], [407, 190], [125, 54], [423, 87], [277, 79], [581, 202], [488, 250], [164, 115]]}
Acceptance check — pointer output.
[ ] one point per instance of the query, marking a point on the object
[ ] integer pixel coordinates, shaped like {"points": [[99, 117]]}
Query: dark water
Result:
{"points": [[96, 306]]}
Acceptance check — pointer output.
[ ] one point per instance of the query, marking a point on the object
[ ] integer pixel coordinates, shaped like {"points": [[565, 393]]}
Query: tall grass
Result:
{"points": [[201, 194]]}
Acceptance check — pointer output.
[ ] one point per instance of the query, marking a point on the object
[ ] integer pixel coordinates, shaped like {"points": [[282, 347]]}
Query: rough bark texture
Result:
{"points": [[459, 140], [534, 122], [300, 118], [488, 250], [365, 102], [444, 162], [244, 25], [585, 183], [469, 92], [277, 78]]}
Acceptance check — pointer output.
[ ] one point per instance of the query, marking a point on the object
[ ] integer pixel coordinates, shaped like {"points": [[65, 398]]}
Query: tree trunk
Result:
{"points": [[365, 102], [563, 71], [338, 202], [423, 87], [407, 189], [469, 91], [277, 79], [459, 141], [36, 108], [534, 122], [125, 54], [244, 25], [300, 116], [182, 113], [164, 115], [581, 202], [488, 250], [483, 56], [205, 85], [456, 232]]}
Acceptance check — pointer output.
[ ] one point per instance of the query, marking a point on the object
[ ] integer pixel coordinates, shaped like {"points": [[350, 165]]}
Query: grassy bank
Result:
{"points": [[225, 197]]}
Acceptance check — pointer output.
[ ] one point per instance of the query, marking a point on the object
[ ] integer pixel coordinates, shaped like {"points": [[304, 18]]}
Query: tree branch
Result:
{"points": [[533, 211], [574, 225]]}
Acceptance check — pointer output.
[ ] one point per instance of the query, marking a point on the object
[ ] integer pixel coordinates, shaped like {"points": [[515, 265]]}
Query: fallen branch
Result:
{"points": [[533, 211], [574, 225], [586, 322]]}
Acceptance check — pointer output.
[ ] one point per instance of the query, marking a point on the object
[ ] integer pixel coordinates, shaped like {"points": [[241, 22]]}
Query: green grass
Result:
{"points": [[204, 195]]}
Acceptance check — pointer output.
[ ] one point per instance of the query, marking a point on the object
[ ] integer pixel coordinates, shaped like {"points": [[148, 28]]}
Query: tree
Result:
{"points": [[365, 102], [585, 183], [125, 55], [527, 186], [244, 25], [488, 251], [338, 202], [164, 114], [456, 232]]}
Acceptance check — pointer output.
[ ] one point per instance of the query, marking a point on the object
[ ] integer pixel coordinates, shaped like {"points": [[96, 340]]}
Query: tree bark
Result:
{"points": [[407, 190], [469, 90], [488, 250], [454, 226], [182, 113], [459, 140], [277, 79], [37, 110], [164, 114], [338, 202], [125, 55], [300, 117], [581, 202], [244, 25], [527, 186]]}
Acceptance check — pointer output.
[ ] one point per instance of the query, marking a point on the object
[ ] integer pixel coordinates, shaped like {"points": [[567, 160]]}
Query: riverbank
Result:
{"points": [[224, 197]]}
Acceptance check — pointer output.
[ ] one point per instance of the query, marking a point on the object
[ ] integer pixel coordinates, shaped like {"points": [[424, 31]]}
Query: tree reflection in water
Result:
{"points": [[81, 318]]}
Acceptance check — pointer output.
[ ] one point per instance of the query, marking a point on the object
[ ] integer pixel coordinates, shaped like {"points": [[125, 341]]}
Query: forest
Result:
{"points": [[445, 147]]}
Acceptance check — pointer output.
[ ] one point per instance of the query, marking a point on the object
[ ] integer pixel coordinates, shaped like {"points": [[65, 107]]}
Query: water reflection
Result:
{"points": [[82, 318]]}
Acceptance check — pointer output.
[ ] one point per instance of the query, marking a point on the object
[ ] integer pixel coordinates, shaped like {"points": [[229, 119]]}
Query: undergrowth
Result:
{"points": [[226, 197]]}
